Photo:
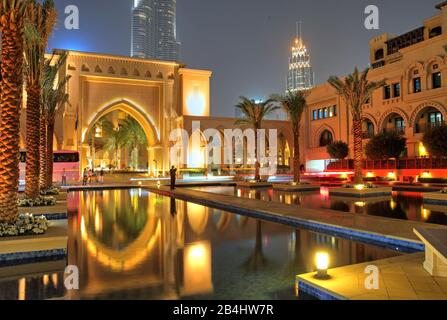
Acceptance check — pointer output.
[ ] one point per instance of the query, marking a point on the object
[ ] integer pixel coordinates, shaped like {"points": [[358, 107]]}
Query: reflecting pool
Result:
{"points": [[402, 205], [131, 244]]}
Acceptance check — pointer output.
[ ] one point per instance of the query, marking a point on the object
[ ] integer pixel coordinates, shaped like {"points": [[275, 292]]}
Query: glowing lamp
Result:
{"points": [[359, 187], [370, 175], [391, 175], [322, 262], [158, 183], [426, 174], [140, 183]]}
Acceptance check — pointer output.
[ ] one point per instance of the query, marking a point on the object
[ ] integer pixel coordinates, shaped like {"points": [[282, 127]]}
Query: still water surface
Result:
{"points": [[402, 205], [130, 244]]}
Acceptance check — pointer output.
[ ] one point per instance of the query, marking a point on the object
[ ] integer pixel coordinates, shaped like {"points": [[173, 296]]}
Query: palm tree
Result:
{"points": [[356, 90], [133, 136], [254, 113], [54, 97], [294, 103], [12, 18], [114, 140], [41, 19]]}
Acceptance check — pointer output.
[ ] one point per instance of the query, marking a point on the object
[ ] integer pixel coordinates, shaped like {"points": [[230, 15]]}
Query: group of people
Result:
{"points": [[89, 175]]}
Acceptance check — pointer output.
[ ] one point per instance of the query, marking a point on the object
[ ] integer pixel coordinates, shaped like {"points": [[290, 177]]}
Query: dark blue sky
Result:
{"points": [[246, 42]]}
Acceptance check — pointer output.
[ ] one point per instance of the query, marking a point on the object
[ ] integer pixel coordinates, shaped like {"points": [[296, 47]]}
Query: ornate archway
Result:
{"points": [[148, 125], [320, 131], [420, 109], [387, 114]]}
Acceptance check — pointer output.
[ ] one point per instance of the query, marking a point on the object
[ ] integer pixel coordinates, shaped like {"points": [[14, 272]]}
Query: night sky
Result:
{"points": [[246, 42]]}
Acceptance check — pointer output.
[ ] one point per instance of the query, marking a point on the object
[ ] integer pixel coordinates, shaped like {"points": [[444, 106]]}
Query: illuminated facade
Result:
{"points": [[161, 96], [154, 34], [300, 75], [413, 100]]}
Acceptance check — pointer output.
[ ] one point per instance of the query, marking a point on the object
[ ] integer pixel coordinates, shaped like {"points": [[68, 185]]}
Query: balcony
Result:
{"points": [[400, 131], [427, 127]]}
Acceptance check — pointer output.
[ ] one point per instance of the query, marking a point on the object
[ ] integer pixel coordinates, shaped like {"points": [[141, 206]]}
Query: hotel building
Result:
{"points": [[414, 99]]}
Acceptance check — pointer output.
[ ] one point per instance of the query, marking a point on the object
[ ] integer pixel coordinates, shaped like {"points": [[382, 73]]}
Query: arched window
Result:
{"points": [[379, 54], [326, 138]]}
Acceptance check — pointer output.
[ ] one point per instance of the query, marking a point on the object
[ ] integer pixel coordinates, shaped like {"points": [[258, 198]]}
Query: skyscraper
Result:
{"points": [[300, 75], [154, 34]]}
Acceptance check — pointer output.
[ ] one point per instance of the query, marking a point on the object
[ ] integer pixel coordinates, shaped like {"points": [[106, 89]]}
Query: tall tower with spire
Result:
{"points": [[300, 74]]}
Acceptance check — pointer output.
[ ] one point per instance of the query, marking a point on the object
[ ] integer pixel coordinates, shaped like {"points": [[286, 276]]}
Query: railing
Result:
{"points": [[400, 131], [428, 127], [400, 164]]}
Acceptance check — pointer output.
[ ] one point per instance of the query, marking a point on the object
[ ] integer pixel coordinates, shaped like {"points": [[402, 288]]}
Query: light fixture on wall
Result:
{"points": [[196, 103]]}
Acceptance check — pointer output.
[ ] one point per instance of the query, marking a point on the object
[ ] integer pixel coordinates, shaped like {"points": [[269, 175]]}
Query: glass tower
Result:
{"points": [[300, 75], [154, 34]]}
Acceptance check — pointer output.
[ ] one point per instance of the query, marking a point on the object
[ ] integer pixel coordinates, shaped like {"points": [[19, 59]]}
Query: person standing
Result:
{"points": [[84, 177], [101, 176], [64, 178], [173, 174]]}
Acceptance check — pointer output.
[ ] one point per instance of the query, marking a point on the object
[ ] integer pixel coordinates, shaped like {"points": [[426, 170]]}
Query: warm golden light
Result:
{"points": [[359, 187], [22, 289], [370, 175], [322, 261], [393, 205], [422, 150], [360, 204], [392, 175], [426, 174], [425, 213], [197, 268]]}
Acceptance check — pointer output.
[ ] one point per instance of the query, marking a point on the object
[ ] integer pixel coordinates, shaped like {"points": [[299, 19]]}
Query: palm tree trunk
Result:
{"points": [[10, 104], [358, 152], [32, 141], [43, 153], [50, 154], [296, 156], [257, 164]]}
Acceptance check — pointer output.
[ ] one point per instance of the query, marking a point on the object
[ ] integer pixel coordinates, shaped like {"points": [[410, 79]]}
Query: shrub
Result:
{"points": [[50, 192], [338, 150], [435, 141], [38, 202], [26, 224], [386, 145]]}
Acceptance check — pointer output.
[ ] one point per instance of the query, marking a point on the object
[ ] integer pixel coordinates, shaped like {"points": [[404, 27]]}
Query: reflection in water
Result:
{"points": [[257, 259], [403, 206], [137, 249]]}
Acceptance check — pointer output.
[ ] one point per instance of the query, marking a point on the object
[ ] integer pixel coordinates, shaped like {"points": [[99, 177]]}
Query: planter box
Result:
{"points": [[18, 250], [254, 185], [436, 198], [364, 193], [297, 188]]}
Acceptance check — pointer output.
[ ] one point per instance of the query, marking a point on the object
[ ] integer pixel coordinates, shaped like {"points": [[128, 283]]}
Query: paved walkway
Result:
{"points": [[362, 227], [400, 278]]}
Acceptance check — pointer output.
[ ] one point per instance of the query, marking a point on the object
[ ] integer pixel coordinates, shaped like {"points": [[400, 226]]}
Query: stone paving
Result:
{"points": [[400, 278]]}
